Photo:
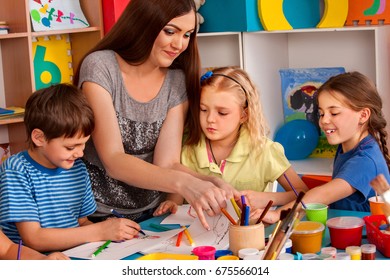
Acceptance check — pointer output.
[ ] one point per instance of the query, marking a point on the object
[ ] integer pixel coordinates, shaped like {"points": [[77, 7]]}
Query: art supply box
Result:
{"points": [[377, 237]]}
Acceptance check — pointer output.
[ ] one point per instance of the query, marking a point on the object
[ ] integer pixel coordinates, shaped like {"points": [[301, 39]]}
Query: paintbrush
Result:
{"points": [[264, 211], [292, 187], [283, 231]]}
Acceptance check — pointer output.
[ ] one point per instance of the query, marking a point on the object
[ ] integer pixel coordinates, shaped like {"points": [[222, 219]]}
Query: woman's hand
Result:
{"points": [[229, 189], [205, 196]]}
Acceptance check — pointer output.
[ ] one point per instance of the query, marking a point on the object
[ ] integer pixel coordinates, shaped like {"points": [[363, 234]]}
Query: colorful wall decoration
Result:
{"points": [[272, 15], [368, 12], [335, 14], [243, 15], [52, 60], [56, 15]]}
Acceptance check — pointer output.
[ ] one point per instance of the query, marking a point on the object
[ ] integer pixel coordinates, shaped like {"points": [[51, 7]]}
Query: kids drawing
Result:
{"points": [[56, 15], [299, 93], [220, 228]]}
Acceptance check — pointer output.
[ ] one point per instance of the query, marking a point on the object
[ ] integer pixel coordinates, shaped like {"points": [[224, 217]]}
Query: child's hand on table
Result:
{"points": [[165, 206], [271, 217], [119, 229], [256, 200]]}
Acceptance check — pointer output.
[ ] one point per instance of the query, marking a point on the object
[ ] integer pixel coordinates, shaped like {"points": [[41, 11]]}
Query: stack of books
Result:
{"points": [[4, 28], [11, 112]]}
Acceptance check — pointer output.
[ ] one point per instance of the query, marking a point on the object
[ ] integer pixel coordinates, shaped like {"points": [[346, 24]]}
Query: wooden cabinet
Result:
{"points": [[17, 80], [364, 49]]}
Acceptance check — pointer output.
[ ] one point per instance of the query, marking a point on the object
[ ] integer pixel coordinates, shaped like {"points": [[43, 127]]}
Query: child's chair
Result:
{"points": [[272, 187]]}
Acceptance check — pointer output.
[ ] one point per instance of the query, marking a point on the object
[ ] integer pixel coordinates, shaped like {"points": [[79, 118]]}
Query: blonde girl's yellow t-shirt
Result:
{"points": [[243, 169]]}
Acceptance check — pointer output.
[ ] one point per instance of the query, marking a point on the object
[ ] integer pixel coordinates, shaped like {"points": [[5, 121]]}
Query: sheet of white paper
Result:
{"points": [[181, 217], [56, 15], [217, 237], [117, 251]]}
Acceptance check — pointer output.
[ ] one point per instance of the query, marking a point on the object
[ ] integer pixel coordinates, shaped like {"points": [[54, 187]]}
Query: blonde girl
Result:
{"points": [[232, 141]]}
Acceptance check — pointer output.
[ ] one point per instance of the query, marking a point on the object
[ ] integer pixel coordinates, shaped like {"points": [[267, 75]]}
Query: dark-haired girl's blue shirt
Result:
{"points": [[359, 167]]}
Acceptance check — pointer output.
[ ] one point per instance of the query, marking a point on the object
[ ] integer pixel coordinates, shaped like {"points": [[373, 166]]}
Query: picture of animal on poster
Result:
{"points": [[299, 92]]}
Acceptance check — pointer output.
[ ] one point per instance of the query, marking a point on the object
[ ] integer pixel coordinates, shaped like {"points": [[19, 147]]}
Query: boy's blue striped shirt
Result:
{"points": [[56, 198]]}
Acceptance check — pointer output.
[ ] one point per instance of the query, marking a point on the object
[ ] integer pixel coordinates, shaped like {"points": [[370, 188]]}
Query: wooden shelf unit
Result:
{"points": [[17, 76]]}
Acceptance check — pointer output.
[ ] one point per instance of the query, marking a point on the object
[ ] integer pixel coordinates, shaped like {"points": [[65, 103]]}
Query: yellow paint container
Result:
{"points": [[307, 237], [228, 258], [167, 256], [354, 251]]}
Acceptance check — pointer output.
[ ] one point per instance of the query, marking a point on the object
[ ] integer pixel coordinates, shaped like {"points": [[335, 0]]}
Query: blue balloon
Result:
{"points": [[299, 138]]}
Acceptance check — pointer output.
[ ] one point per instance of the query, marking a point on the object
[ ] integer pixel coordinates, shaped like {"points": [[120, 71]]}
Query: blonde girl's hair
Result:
{"points": [[237, 81], [360, 92]]}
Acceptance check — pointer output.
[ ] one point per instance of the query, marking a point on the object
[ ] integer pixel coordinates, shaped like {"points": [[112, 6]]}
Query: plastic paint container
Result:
{"points": [[288, 246], [167, 256], [342, 256], [355, 252], [261, 253], [345, 231], [228, 258], [323, 256], [376, 203], [253, 257], [247, 252], [286, 257], [204, 252], [220, 253], [307, 237], [310, 256], [368, 251], [329, 251]]}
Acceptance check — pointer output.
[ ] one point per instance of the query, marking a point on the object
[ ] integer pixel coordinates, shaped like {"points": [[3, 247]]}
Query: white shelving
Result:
{"points": [[220, 49], [262, 54]]}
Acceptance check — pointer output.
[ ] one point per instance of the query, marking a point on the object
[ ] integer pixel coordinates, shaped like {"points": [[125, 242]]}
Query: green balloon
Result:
{"points": [[35, 15]]}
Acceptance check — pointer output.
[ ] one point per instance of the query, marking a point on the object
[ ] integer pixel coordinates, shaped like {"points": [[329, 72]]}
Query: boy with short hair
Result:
{"points": [[45, 191]]}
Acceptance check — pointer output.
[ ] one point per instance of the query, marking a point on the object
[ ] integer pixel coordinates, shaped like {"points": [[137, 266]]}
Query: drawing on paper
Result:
{"points": [[56, 15], [217, 236], [299, 93]]}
